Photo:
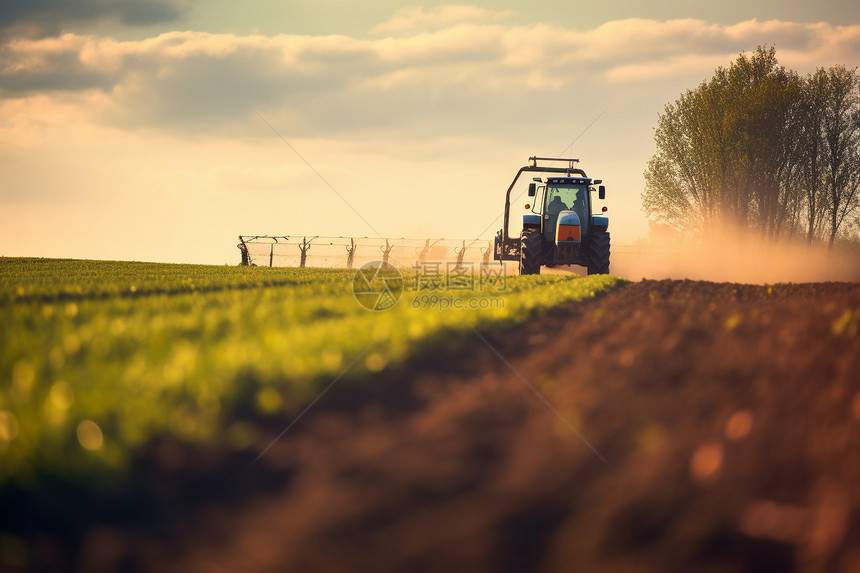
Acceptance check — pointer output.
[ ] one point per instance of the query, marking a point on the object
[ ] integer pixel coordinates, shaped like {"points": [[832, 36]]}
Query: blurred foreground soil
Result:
{"points": [[728, 417]]}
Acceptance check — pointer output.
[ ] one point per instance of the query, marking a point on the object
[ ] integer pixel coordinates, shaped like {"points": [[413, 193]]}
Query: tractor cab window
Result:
{"points": [[564, 198], [536, 204]]}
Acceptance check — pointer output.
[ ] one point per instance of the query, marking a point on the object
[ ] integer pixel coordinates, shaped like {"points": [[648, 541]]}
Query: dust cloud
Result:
{"points": [[739, 257]]}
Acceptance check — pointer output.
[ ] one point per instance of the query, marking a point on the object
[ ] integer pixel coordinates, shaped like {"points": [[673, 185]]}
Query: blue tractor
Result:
{"points": [[560, 228]]}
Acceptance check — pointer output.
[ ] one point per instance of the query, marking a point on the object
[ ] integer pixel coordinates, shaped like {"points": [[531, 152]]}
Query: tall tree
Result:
{"points": [[811, 151], [760, 105], [678, 188], [761, 147], [841, 143], [726, 151]]}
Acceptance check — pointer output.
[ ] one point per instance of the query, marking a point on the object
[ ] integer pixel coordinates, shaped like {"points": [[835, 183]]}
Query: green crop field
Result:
{"points": [[98, 358]]}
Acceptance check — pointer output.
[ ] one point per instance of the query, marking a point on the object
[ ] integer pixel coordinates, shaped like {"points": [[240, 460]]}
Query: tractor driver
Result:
{"points": [[556, 206], [579, 203]]}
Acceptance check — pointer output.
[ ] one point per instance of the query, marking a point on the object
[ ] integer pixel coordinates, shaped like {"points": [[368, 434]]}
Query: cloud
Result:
{"points": [[465, 77], [417, 20], [41, 18], [666, 68]]}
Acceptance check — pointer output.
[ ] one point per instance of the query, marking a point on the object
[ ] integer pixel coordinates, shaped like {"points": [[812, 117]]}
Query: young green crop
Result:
{"points": [[98, 358], [24, 279]]}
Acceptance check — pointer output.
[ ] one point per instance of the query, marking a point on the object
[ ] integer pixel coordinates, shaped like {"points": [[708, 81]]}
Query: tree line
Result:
{"points": [[761, 147]]}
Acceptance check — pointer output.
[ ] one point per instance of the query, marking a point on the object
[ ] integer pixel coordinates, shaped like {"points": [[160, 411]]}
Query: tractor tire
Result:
{"points": [[531, 252], [597, 253]]}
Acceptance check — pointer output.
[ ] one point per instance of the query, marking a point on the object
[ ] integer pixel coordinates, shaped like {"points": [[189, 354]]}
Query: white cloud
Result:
{"points": [[414, 20], [666, 68], [462, 78]]}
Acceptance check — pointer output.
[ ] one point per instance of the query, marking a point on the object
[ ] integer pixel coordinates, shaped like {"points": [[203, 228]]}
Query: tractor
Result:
{"points": [[560, 228]]}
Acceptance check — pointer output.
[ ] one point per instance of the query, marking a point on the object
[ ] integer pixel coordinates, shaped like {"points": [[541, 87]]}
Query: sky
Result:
{"points": [[160, 130]]}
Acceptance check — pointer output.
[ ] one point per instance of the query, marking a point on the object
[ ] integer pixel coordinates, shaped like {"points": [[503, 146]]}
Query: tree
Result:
{"points": [[676, 187], [811, 152], [761, 108], [841, 143], [760, 147], [726, 151]]}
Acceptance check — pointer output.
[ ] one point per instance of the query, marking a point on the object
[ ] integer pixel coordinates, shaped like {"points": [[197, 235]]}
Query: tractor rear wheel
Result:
{"points": [[597, 253], [530, 252]]}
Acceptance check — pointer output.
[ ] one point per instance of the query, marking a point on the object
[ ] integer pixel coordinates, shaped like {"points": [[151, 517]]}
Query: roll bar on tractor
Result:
{"points": [[532, 167]]}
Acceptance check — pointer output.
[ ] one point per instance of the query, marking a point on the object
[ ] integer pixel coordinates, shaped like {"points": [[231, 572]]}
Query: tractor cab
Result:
{"points": [[564, 194]]}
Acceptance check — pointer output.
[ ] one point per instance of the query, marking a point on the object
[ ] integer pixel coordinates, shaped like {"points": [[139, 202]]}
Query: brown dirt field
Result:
{"points": [[728, 416]]}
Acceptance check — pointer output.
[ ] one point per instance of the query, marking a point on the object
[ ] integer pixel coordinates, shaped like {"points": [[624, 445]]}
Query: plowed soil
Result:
{"points": [[724, 421]]}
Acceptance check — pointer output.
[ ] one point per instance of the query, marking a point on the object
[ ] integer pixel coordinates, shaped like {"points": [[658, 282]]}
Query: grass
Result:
{"points": [[99, 358]]}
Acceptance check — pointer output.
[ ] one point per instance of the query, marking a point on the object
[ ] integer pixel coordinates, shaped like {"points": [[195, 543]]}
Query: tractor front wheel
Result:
{"points": [[598, 253], [530, 252]]}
